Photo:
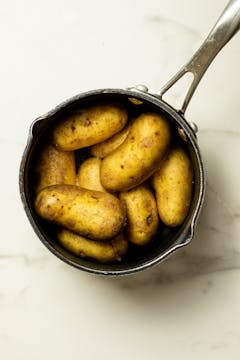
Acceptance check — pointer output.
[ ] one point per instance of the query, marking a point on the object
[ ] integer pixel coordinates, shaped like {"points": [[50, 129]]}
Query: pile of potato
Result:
{"points": [[135, 178]]}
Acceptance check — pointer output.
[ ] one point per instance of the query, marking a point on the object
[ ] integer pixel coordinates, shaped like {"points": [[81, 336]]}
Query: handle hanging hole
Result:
{"points": [[178, 91]]}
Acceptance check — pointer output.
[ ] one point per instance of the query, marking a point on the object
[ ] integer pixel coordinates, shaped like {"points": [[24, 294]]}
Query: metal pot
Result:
{"points": [[171, 238]]}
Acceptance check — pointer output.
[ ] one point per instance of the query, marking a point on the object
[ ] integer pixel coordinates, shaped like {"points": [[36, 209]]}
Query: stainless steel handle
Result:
{"points": [[227, 25]]}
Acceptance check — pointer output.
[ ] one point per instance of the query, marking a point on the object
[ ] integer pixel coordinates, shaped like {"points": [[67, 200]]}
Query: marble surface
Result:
{"points": [[186, 308]]}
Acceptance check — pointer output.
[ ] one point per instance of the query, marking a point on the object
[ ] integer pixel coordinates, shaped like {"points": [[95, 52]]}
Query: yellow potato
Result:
{"points": [[173, 184], [54, 167], [104, 252], [94, 214], [139, 155], [88, 175], [89, 126], [106, 147], [135, 101], [142, 214]]}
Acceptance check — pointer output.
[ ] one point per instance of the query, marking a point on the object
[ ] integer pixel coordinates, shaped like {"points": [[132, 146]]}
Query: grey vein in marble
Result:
{"points": [[163, 21]]}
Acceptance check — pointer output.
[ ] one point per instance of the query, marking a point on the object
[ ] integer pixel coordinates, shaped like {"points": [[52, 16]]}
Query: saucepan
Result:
{"points": [[171, 238]]}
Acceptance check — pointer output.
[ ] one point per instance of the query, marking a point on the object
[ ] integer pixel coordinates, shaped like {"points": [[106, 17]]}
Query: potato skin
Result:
{"points": [[54, 167], [90, 126], [173, 184], [138, 156], [106, 147], [88, 176], [142, 214], [104, 252], [94, 214], [135, 101]]}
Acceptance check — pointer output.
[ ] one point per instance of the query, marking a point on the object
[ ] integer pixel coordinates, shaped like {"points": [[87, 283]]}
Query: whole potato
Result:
{"points": [[139, 155], [94, 214], [54, 167], [105, 252], [106, 147], [90, 126], [142, 214], [88, 175], [173, 184]]}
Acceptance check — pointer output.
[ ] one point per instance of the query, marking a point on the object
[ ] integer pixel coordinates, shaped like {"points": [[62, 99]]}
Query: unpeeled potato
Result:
{"points": [[106, 147], [94, 214], [105, 252], [89, 126], [142, 214], [139, 155], [89, 175], [173, 184], [54, 167]]}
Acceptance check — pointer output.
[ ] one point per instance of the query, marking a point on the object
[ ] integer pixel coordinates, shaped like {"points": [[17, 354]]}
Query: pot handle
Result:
{"points": [[226, 27]]}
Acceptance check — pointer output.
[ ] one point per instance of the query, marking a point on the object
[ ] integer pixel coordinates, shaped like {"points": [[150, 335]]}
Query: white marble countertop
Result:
{"points": [[186, 308]]}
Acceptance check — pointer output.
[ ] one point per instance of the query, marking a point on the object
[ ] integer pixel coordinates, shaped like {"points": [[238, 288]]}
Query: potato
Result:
{"points": [[54, 167], [94, 214], [88, 175], [139, 155], [105, 252], [106, 147], [89, 178], [90, 126], [135, 101], [173, 184], [142, 214]]}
